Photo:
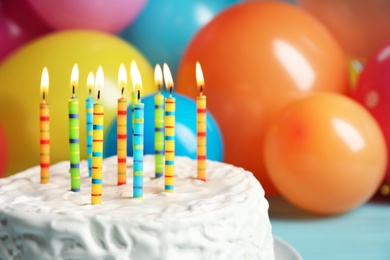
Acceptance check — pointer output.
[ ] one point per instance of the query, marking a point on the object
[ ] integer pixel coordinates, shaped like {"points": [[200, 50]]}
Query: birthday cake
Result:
{"points": [[223, 218]]}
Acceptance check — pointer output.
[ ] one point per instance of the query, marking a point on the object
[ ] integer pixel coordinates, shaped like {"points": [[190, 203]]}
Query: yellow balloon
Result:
{"points": [[20, 79]]}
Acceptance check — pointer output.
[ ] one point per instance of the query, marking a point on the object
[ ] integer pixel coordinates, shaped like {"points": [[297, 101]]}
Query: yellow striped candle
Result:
{"points": [[122, 127], [158, 125], [74, 133], [138, 133], [170, 108], [89, 101], [97, 143], [44, 129], [201, 124]]}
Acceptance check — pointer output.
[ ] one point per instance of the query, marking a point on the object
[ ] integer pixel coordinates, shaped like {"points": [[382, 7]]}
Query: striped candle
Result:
{"points": [[138, 132], [89, 120], [138, 149], [74, 134], [97, 143], [122, 127], [201, 125], [170, 108], [44, 129], [158, 125]]}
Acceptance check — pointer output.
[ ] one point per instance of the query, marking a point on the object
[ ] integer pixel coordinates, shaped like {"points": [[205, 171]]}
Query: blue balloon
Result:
{"points": [[185, 138], [164, 28]]}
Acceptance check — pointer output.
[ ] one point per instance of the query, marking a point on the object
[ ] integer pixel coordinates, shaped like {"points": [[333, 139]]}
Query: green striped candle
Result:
{"points": [[74, 133], [158, 124]]}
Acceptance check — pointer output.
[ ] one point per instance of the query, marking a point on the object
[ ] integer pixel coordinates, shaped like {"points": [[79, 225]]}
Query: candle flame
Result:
{"points": [[90, 81], [135, 76], [99, 83], [122, 76], [158, 78], [74, 78], [44, 82], [168, 77], [199, 77]]}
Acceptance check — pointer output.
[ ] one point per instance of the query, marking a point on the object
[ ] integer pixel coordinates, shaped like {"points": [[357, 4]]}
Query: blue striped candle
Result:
{"points": [[138, 150], [89, 101]]}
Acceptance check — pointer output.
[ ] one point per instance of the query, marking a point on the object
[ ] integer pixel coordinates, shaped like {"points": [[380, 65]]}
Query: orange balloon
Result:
{"points": [[256, 58], [361, 27], [326, 153]]}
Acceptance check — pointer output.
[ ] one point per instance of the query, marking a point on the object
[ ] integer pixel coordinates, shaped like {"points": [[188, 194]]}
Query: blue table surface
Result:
{"points": [[362, 233]]}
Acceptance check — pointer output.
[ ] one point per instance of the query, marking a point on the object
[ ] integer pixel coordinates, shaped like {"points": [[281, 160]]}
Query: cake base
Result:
{"points": [[223, 218]]}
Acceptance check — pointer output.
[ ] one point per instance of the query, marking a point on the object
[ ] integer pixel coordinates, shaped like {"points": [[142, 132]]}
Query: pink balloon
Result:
{"points": [[23, 14], [11, 35], [105, 15], [18, 25], [373, 92]]}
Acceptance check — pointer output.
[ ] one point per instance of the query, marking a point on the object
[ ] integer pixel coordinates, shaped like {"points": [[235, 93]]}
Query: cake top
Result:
{"points": [[226, 185]]}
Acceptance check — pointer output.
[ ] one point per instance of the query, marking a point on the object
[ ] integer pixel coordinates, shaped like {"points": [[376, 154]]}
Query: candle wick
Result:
{"points": [[159, 87], [139, 95], [90, 91], [201, 90], [44, 96], [170, 91], [73, 91], [122, 91], [98, 95]]}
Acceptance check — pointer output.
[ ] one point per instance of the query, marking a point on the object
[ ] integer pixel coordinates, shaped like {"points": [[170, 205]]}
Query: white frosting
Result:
{"points": [[223, 218]]}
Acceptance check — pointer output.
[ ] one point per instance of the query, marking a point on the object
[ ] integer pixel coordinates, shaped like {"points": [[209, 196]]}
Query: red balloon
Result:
{"points": [[326, 153], [256, 58], [373, 91], [3, 152], [361, 27]]}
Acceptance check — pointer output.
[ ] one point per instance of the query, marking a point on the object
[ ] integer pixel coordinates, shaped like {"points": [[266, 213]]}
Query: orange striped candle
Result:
{"points": [[97, 142], [44, 129], [170, 118], [122, 127], [201, 124]]}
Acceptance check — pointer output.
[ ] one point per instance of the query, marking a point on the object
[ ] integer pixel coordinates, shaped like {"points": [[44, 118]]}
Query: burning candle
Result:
{"points": [[122, 127], [201, 124], [138, 133], [158, 124], [44, 116], [97, 143], [170, 108], [89, 119], [74, 132]]}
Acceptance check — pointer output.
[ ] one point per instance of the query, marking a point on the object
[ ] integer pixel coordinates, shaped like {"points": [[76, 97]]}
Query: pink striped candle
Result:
{"points": [[44, 129], [122, 127]]}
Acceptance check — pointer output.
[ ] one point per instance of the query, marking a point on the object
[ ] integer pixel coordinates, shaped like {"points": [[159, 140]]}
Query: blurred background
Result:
{"points": [[297, 91]]}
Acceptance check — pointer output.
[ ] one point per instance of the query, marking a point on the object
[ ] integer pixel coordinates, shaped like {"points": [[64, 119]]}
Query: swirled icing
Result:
{"points": [[223, 218]]}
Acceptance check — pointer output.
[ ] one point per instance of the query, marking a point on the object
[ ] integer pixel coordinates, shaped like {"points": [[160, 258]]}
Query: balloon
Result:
{"points": [[164, 28], [3, 152], [104, 15], [11, 36], [256, 58], [20, 77], [23, 14], [185, 139], [326, 153], [361, 27], [373, 91], [18, 25]]}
